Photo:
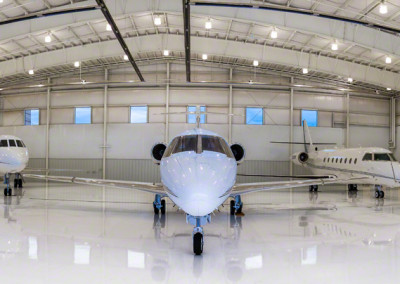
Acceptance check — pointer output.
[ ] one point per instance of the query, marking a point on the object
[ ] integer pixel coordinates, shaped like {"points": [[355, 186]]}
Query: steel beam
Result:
{"points": [[186, 27], [119, 37]]}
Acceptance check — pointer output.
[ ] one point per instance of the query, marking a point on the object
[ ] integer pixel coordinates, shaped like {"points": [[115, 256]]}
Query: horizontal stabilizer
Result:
{"points": [[302, 143]]}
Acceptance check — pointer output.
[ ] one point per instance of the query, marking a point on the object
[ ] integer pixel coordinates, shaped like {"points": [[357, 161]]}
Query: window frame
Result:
{"points": [[262, 115], [301, 117], [30, 109], [195, 106], [130, 114], [91, 115]]}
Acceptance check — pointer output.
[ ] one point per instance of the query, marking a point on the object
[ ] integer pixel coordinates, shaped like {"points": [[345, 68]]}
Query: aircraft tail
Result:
{"points": [[306, 132]]}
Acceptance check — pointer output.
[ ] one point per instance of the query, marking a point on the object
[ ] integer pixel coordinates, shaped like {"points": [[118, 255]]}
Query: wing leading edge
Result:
{"points": [[156, 188]]}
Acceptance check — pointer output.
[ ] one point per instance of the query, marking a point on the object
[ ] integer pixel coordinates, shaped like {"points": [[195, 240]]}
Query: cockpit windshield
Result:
{"points": [[198, 144]]}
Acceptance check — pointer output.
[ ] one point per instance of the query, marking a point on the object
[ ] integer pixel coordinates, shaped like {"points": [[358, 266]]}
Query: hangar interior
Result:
{"points": [[338, 58]]}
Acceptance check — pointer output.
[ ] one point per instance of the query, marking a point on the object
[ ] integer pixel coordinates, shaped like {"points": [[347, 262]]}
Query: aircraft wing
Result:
{"points": [[244, 188], [156, 188]]}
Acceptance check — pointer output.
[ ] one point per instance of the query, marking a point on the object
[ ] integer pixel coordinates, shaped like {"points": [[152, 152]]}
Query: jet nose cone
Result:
{"points": [[198, 180]]}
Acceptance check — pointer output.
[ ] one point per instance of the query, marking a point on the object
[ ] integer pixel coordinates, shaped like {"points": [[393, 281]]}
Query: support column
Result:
{"points": [[291, 129], [230, 113], [167, 107], [392, 132], [347, 120], [105, 120], [48, 123]]}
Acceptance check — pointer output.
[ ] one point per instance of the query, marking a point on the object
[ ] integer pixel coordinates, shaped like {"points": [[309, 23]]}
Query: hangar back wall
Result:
{"points": [[128, 145]]}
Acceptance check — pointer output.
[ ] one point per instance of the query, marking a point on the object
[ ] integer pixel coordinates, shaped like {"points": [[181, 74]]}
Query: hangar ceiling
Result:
{"points": [[237, 38]]}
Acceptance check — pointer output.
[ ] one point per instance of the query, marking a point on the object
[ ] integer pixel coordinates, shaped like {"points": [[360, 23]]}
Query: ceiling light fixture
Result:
{"points": [[255, 63], [126, 58], [274, 34], [383, 9], [108, 27], [350, 80], [388, 60], [208, 25], [388, 89], [31, 72], [166, 52], [204, 56], [157, 20], [305, 70], [334, 46], [47, 38], [77, 64]]}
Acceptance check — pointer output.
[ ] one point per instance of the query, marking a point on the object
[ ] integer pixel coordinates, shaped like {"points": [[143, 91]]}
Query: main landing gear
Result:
{"points": [[379, 193], [236, 205], [8, 189], [18, 181], [198, 222], [313, 188], [352, 187], [159, 205]]}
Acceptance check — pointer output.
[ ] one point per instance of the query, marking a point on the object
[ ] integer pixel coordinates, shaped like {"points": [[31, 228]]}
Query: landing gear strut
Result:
{"points": [[159, 205], [236, 205], [379, 192], [8, 189], [313, 188]]}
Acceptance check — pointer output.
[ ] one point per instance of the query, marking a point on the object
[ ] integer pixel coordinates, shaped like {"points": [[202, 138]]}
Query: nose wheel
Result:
{"points": [[198, 241], [313, 188]]}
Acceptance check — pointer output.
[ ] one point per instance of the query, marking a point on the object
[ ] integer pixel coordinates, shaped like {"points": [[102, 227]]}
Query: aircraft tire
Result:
{"points": [[163, 206], [198, 243], [156, 210], [232, 207], [377, 195]]}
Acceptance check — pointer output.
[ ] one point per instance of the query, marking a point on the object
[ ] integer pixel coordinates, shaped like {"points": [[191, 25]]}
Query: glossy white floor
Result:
{"points": [[57, 233]]}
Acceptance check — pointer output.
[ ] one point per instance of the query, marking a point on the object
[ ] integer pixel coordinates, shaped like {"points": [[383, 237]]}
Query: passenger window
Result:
{"points": [[324, 160], [19, 143], [367, 157], [355, 161], [350, 160], [3, 143], [12, 143], [381, 157], [341, 160], [337, 160], [345, 161]]}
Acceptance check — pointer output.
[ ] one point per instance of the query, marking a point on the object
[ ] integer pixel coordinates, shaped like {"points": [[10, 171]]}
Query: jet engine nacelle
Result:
{"points": [[157, 152], [300, 158], [238, 152]]}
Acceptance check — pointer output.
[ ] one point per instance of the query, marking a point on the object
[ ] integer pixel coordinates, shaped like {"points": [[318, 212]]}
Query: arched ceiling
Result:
{"points": [[238, 37]]}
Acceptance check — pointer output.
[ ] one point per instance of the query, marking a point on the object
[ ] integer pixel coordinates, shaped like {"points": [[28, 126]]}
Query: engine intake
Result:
{"points": [[238, 152], [157, 152], [302, 157]]}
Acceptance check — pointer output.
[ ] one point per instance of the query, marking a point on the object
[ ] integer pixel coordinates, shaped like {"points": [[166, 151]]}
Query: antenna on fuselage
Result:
{"points": [[198, 116]]}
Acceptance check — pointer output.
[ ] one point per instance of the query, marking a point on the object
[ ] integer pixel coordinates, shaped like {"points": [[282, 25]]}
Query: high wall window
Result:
{"points": [[254, 115], [31, 117], [311, 116], [191, 118], [139, 114], [83, 115]]}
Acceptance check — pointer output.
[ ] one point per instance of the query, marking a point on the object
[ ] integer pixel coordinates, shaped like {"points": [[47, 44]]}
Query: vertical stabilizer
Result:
{"points": [[306, 132]]}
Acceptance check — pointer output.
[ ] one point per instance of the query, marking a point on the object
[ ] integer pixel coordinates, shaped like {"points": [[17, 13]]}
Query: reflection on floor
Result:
{"points": [[57, 233]]}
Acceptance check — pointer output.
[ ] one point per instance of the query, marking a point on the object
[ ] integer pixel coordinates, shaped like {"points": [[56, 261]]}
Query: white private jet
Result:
{"points": [[351, 166], [198, 173], [14, 158]]}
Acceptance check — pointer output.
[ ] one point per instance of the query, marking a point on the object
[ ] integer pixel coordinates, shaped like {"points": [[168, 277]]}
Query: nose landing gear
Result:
{"points": [[313, 188], [198, 222]]}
